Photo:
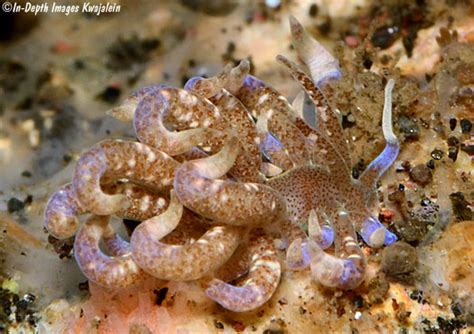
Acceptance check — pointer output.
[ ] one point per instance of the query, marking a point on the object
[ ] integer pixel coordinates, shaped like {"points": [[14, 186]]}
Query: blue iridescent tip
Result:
{"points": [[298, 255], [374, 233], [252, 82], [327, 236], [270, 145], [191, 82], [390, 238]]}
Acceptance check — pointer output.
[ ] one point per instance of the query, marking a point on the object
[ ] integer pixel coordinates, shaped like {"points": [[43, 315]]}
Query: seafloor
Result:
{"points": [[59, 74]]}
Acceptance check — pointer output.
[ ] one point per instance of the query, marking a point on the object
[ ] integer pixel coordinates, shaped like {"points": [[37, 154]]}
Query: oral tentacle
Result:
{"points": [[118, 271], [111, 160], [193, 154], [299, 252], [180, 262], [328, 125], [322, 65], [63, 208], [182, 111], [115, 244], [298, 255], [61, 213], [150, 128], [198, 122], [270, 170], [260, 99], [263, 278], [247, 165], [144, 203], [270, 146], [199, 188], [237, 266], [345, 270], [375, 234], [237, 76], [208, 87], [126, 110], [230, 79], [323, 234], [388, 156]]}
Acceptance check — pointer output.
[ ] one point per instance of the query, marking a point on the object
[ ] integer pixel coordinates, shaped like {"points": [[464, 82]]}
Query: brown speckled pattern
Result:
{"points": [[228, 202], [181, 262], [199, 120], [258, 287], [261, 99], [327, 121], [306, 188], [144, 203], [229, 78], [237, 265], [110, 271], [186, 110], [345, 270], [111, 160], [61, 213], [208, 87], [63, 207], [247, 165]]}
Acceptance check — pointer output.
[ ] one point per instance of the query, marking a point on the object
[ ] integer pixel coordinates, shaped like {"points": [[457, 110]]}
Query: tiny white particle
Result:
{"points": [[151, 157], [188, 116], [354, 256], [324, 116], [166, 182], [254, 186], [351, 243], [262, 99], [145, 203], [272, 3], [161, 202], [224, 198], [182, 94], [206, 122]]}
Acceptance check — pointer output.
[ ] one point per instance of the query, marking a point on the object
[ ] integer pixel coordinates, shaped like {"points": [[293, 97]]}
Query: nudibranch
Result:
{"points": [[219, 170]]}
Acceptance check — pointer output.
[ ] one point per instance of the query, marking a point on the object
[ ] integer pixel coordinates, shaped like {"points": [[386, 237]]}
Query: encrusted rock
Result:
{"points": [[400, 262], [421, 174]]}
